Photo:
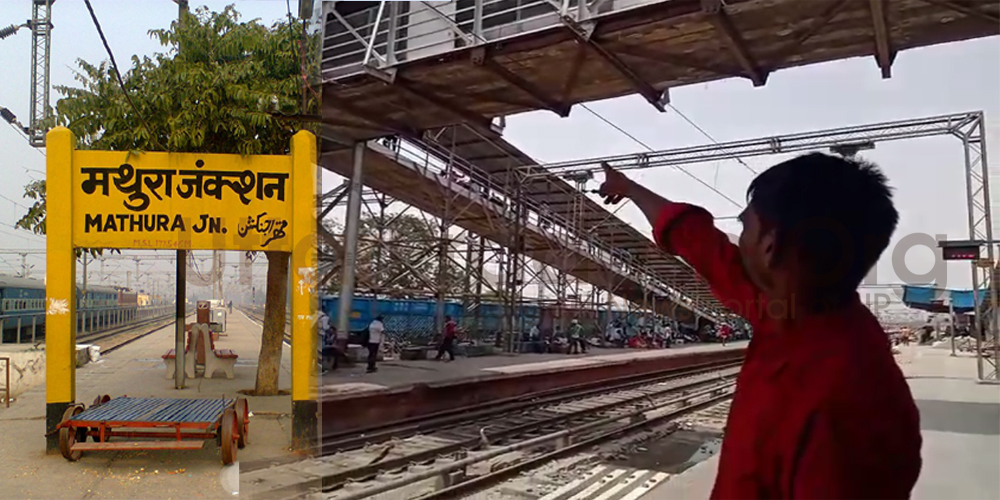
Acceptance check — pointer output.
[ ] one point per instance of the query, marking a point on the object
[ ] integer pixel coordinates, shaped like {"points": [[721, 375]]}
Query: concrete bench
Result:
{"points": [[220, 359], [170, 362], [215, 359], [211, 358]]}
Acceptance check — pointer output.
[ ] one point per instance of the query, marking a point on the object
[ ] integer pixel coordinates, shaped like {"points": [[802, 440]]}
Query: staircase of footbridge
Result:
{"points": [[562, 196], [405, 171]]}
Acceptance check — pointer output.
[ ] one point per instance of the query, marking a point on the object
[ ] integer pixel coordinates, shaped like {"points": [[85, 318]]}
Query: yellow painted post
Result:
{"points": [[60, 289], [304, 302]]}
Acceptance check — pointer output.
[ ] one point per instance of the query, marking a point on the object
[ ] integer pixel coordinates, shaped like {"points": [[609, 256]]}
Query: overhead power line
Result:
{"points": [[648, 148], [707, 135], [118, 75]]}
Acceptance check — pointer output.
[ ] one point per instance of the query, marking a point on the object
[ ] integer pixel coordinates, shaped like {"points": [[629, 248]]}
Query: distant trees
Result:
{"points": [[222, 86], [399, 257]]}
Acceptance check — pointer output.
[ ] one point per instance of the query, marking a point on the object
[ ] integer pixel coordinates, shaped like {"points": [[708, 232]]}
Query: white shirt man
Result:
{"points": [[375, 331], [324, 327]]}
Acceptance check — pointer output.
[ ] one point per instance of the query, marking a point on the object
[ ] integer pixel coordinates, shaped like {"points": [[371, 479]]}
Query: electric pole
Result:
{"points": [[41, 40], [181, 310], [24, 265]]}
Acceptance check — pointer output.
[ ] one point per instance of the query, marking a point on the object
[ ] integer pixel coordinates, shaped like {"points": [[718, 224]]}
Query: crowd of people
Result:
{"points": [[648, 332]]}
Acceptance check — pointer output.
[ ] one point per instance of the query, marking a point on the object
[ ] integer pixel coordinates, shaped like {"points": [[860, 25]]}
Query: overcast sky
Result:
{"points": [[927, 173]]}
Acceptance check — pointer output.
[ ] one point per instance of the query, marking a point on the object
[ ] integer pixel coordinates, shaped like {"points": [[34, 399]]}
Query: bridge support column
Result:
{"points": [[350, 245]]}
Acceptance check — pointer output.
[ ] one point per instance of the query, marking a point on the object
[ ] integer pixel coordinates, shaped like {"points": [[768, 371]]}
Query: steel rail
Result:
{"points": [[356, 438], [103, 334], [484, 481], [141, 335], [333, 481], [637, 420]]}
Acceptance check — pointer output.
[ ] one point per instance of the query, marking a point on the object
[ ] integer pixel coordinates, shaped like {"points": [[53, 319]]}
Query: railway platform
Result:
{"points": [[137, 370], [960, 422], [415, 389], [398, 373]]}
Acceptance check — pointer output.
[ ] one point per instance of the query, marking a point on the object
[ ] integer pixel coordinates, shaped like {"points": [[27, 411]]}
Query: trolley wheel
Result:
{"points": [[229, 431], [99, 400], [243, 421], [68, 436]]}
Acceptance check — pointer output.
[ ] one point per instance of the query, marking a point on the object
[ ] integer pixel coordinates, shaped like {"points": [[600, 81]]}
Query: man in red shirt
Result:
{"points": [[724, 332], [821, 409], [448, 341]]}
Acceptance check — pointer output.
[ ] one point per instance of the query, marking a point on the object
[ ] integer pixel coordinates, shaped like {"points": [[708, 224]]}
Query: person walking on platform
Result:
{"points": [[448, 340], [376, 329], [323, 330], [724, 332], [822, 410], [576, 343]]}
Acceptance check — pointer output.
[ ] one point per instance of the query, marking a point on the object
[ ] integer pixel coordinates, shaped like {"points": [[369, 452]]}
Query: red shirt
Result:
{"points": [[821, 408], [449, 329]]}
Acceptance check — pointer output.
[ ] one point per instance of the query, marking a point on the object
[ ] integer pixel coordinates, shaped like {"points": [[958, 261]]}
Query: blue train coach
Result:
{"points": [[411, 320], [22, 306]]}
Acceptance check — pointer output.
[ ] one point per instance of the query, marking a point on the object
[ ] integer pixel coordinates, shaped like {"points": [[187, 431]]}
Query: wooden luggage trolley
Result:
{"points": [[162, 423]]}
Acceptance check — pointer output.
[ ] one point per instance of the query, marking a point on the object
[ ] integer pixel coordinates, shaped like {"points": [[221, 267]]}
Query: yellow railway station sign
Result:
{"points": [[180, 201]]}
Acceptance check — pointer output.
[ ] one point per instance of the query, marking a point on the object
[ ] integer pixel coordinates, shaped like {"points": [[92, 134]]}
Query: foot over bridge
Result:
{"points": [[470, 206], [553, 194], [407, 67]]}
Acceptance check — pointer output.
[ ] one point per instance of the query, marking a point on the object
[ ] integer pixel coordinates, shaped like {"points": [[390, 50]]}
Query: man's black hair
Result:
{"points": [[836, 213]]}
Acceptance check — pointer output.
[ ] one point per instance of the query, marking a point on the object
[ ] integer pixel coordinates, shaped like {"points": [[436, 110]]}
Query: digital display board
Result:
{"points": [[970, 252]]}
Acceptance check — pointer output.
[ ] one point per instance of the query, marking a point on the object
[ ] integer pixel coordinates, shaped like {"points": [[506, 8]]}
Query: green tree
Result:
{"points": [[221, 86]]}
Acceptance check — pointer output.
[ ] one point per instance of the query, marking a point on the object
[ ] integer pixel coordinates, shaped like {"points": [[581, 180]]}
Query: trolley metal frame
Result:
{"points": [[157, 423]]}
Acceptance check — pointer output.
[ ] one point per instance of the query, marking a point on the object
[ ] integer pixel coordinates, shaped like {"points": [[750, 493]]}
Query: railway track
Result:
{"points": [[115, 338], [443, 456], [259, 318]]}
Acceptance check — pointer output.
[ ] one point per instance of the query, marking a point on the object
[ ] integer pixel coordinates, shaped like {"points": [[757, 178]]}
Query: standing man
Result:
{"points": [[576, 342], [535, 337], [323, 329], [448, 341], [375, 331], [822, 410], [724, 332]]}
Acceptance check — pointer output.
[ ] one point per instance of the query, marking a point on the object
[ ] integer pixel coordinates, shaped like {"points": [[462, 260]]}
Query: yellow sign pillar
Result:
{"points": [[179, 201], [60, 287], [304, 302]]}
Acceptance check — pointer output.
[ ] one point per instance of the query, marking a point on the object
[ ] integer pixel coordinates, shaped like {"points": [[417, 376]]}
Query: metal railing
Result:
{"points": [[393, 32], [88, 320]]}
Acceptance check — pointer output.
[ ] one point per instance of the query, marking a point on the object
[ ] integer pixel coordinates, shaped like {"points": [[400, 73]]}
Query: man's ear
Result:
{"points": [[768, 243]]}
